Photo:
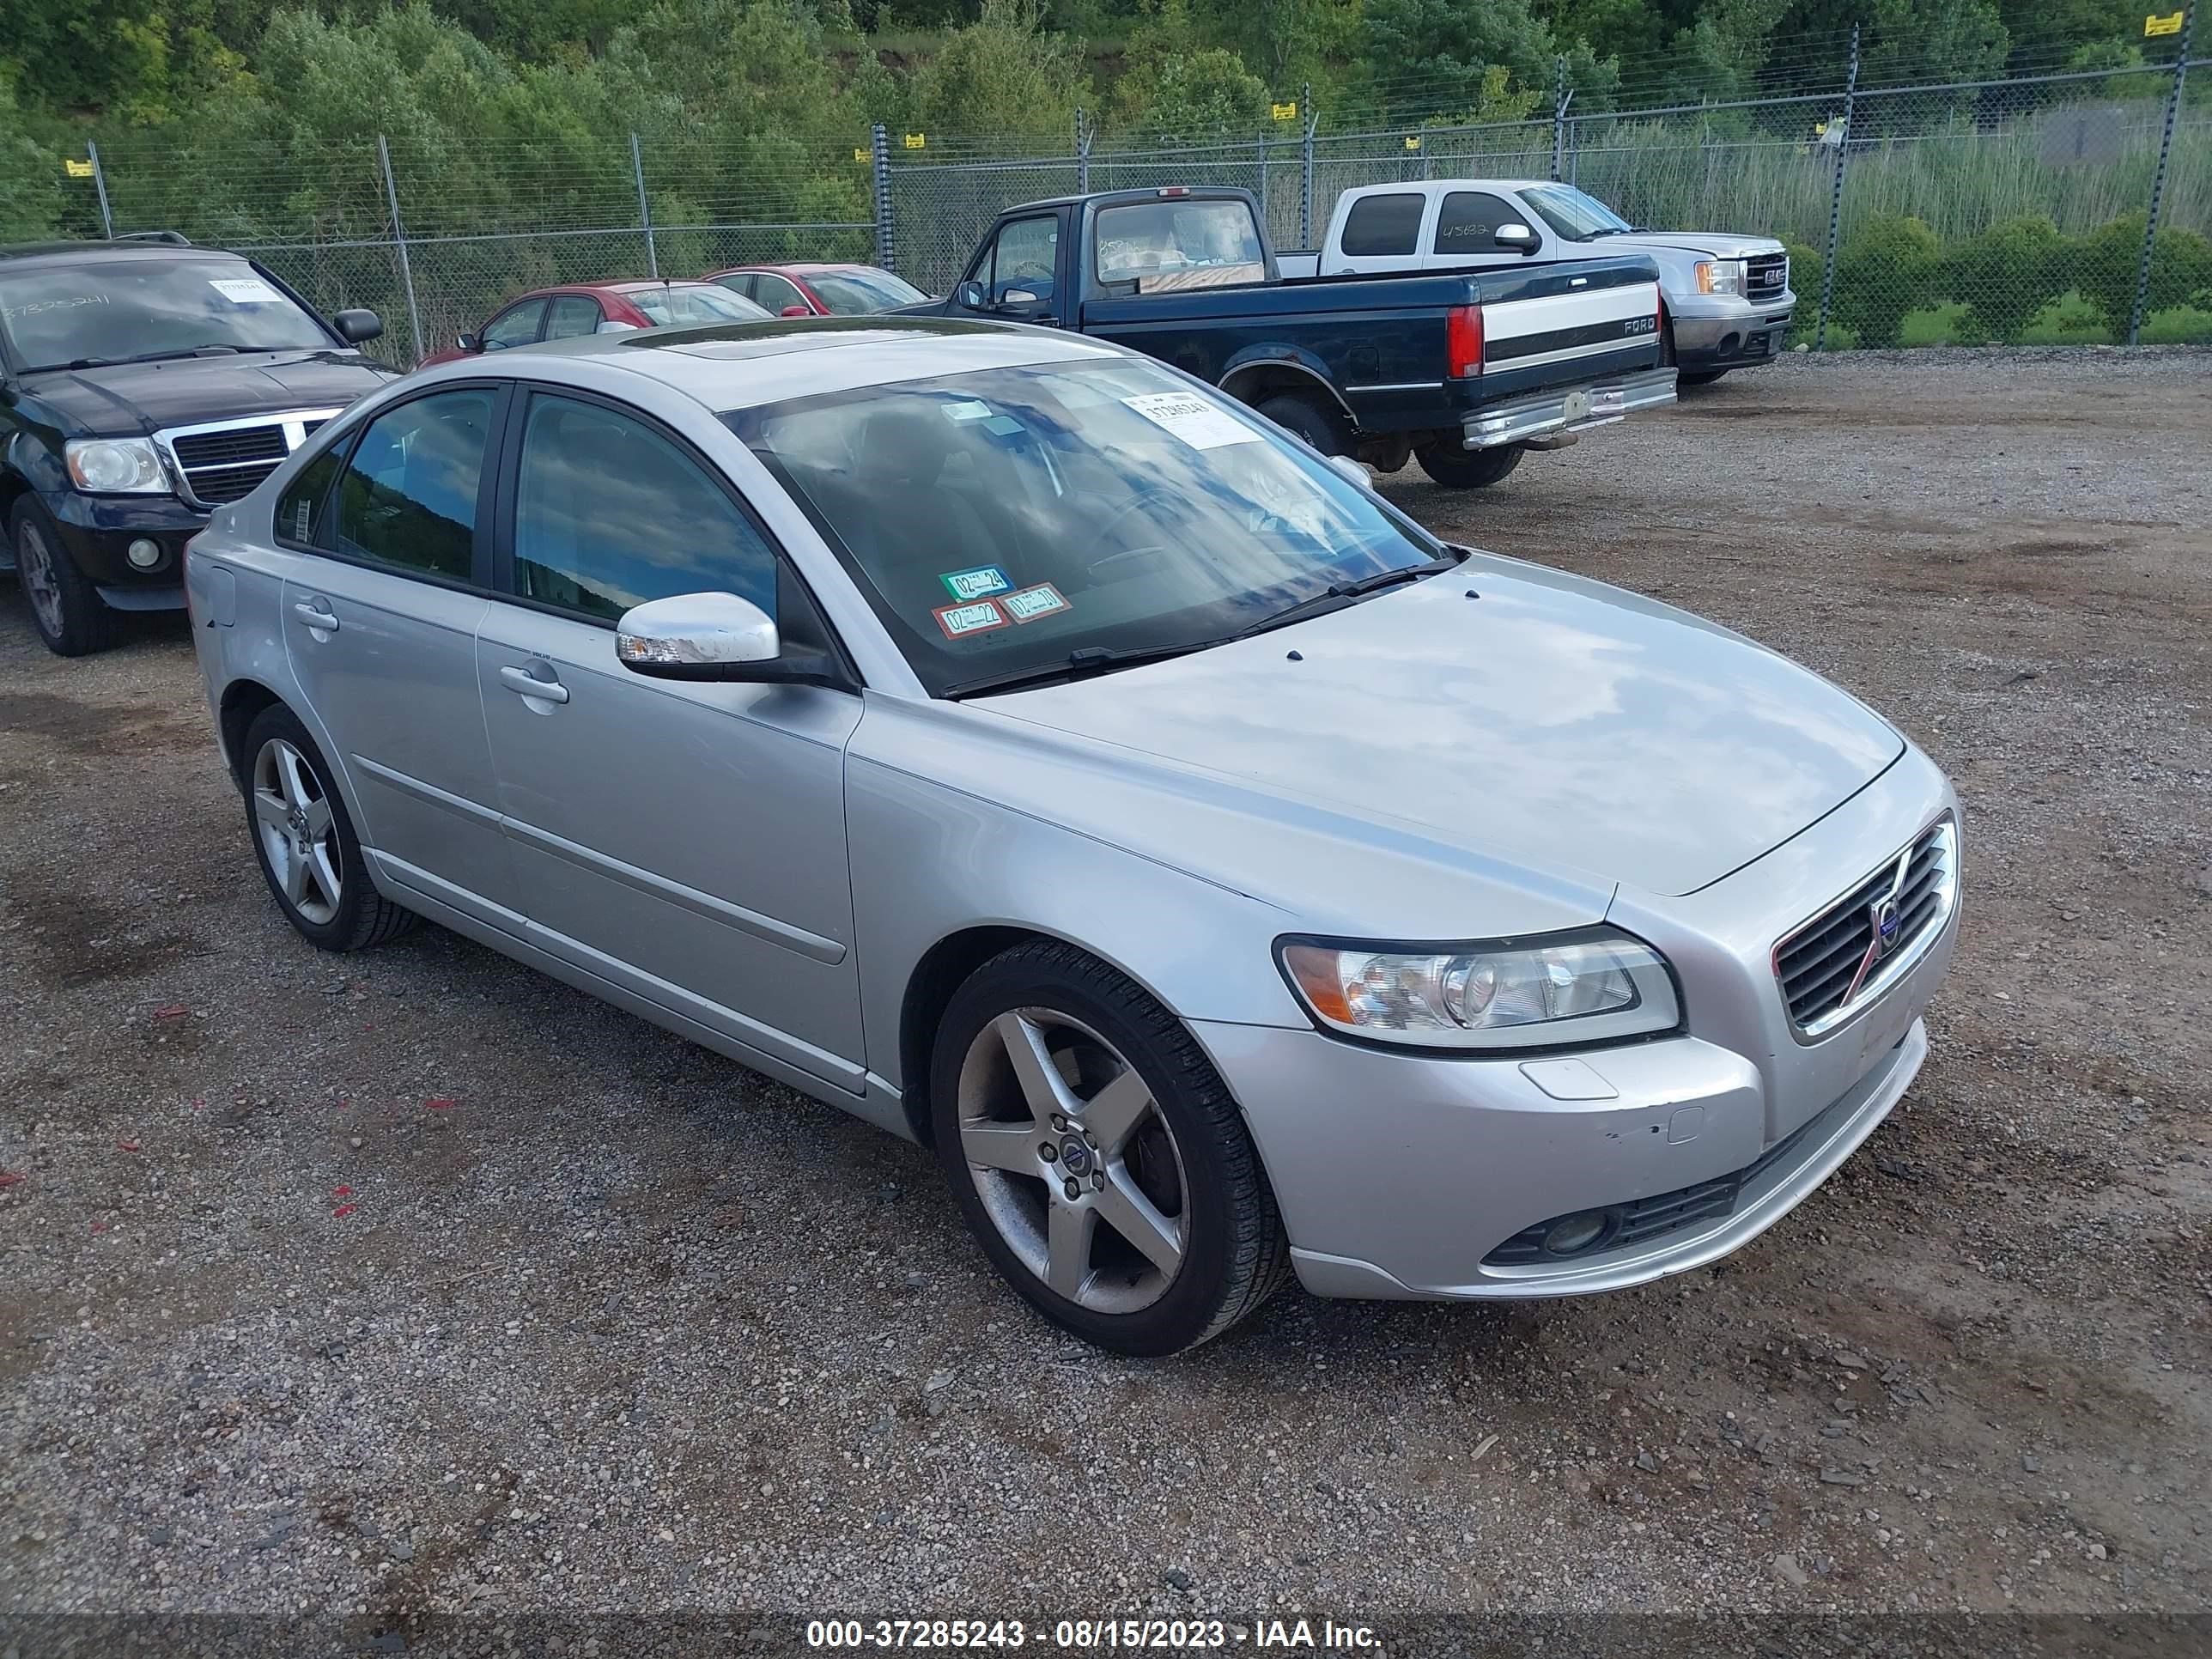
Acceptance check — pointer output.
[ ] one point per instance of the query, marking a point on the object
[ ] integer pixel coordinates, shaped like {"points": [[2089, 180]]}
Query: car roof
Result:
{"points": [[808, 265], [63, 253], [1451, 184], [732, 365]]}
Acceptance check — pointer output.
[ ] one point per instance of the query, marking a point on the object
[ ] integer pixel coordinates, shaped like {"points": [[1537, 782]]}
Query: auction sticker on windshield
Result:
{"points": [[959, 621], [976, 583], [1042, 600], [245, 290], [1193, 420]]}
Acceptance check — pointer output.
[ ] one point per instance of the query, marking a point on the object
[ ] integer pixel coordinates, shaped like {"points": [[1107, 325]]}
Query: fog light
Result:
{"points": [[144, 554], [1571, 1235]]}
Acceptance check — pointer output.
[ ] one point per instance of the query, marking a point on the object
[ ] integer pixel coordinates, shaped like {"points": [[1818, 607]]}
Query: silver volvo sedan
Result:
{"points": [[1019, 745]]}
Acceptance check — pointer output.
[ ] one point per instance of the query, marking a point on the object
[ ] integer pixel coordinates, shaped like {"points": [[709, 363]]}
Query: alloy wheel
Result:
{"points": [[1076, 1166], [299, 835], [34, 568]]}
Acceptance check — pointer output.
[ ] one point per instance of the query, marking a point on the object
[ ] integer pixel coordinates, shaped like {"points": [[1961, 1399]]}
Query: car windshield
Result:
{"points": [[115, 310], [857, 293], [1175, 242], [1005, 521], [1570, 213], [685, 304]]}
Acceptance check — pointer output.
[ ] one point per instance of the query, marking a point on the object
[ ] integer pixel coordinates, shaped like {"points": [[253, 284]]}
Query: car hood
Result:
{"points": [[138, 397], [1555, 725], [1713, 244]]}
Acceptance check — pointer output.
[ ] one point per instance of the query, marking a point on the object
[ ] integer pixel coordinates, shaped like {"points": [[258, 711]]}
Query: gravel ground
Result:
{"points": [[415, 1282]]}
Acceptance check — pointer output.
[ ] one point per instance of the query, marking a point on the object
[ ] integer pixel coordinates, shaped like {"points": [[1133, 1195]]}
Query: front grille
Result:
{"points": [[220, 464], [1647, 1218], [1765, 275], [1830, 963]]}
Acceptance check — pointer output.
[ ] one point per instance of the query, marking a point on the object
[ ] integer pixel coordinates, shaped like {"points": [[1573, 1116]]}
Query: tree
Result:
{"points": [[1003, 74], [1176, 90], [30, 193], [1438, 51]]}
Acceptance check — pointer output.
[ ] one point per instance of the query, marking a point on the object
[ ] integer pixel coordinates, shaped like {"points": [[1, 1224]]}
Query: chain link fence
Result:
{"points": [[2019, 210]]}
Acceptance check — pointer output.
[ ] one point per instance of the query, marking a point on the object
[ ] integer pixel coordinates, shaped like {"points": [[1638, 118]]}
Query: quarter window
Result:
{"points": [[608, 515], [408, 498], [515, 327], [301, 511], [1469, 220], [1382, 225]]}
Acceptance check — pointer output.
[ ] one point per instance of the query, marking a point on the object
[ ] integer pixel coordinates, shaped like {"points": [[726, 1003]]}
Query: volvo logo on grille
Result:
{"points": [[1883, 913]]}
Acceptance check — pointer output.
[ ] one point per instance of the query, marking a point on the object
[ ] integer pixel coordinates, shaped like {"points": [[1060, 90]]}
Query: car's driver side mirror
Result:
{"points": [[358, 327], [467, 343], [713, 636], [971, 295], [1515, 236]]}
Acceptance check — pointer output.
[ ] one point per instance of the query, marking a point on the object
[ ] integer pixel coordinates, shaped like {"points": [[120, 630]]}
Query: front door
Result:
{"points": [[683, 841], [1013, 276], [381, 611]]}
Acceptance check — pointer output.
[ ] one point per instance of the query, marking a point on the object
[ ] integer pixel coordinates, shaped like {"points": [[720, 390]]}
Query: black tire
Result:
{"points": [[83, 623], [1467, 468], [1235, 1255], [362, 916], [1699, 376], [1303, 418]]}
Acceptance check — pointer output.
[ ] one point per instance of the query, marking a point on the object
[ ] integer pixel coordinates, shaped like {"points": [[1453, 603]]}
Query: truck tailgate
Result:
{"points": [[1565, 325]]}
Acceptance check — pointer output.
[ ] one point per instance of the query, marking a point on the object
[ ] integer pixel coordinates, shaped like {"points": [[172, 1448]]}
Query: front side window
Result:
{"points": [[408, 498], [864, 290], [773, 293], [1022, 259], [1379, 226], [518, 327], [572, 314], [999, 520], [1572, 213], [1468, 221], [608, 514], [1150, 243], [135, 309]]}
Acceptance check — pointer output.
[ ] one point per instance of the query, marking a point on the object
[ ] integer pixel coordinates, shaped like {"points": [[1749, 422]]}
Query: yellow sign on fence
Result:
{"points": [[1413, 144], [77, 169], [1284, 112], [859, 155], [2169, 24], [915, 140]]}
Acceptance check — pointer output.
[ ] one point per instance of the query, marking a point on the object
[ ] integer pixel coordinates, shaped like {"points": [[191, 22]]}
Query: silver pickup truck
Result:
{"points": [[1728, 297]]}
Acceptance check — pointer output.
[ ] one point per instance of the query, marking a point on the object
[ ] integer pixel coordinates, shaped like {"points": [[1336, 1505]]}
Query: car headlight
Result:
{"points": [[1593, 985], [117, 466], [1719, 276]]}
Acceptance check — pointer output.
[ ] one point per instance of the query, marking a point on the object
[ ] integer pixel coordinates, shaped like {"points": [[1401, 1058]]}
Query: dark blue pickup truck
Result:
{"points": [[1466, 370]]}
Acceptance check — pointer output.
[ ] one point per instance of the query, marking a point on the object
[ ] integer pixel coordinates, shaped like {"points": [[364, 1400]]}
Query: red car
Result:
{"points": [[555, 313], [820, 290]]}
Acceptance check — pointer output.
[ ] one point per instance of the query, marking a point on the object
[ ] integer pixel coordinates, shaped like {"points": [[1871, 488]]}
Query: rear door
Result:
{"points": [[381, 609], [572, 314], [1382, 232], [685, 842]]}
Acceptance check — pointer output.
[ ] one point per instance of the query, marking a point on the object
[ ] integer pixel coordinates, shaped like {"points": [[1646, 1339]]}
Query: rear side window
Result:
{"points": [[408, 498], [1382, 225], [1469, 220], [608, 514], [301, 514], [572, 314]]}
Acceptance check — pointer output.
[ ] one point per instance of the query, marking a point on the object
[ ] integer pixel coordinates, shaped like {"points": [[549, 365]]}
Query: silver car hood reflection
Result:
{"points": [[1570, 729]]}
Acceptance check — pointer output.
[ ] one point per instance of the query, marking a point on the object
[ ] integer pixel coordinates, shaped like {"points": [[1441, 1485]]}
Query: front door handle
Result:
{"points": [[310, 612], [523, 682]]}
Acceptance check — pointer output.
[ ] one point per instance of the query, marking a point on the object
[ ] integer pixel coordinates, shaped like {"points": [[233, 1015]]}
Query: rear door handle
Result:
{"points": [[312, 613], [522, 681]]}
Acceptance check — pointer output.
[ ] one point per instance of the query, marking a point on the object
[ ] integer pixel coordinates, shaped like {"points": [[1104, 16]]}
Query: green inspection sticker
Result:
{"points": [[978, 583]]}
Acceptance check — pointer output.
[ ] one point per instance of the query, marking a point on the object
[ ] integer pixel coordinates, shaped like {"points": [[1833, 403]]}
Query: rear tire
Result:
{"points": [[70, 617], [1097, 1156], [305, 841], [1467, 468], [1302, 417]]}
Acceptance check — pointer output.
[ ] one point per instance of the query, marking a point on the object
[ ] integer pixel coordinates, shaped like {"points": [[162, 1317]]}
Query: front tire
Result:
{"points": [[70, 617], [1467, 468], [1098, 1157], [308, 852]]}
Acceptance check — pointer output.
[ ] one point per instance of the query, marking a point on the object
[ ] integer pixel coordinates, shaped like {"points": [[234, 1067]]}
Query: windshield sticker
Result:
{"points": [[245, 290], [959, 621], [1031, 602], [1193, 419], [978, 583], [970, 409]]}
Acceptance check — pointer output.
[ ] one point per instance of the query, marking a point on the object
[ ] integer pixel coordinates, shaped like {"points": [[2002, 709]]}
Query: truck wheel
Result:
{"points": [[1305, 419], [1467, 468], [70, 617]]}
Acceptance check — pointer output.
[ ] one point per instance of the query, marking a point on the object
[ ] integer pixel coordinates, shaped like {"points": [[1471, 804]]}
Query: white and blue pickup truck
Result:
{"points": [[1728, 300]]}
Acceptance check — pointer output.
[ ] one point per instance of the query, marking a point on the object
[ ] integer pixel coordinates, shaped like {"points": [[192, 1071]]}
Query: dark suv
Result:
{"points": [[143, 384]]}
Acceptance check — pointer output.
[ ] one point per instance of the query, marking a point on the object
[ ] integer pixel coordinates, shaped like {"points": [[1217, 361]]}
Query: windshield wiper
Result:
{"points": [[1090, 659], [1337, 595], [151, 357]]}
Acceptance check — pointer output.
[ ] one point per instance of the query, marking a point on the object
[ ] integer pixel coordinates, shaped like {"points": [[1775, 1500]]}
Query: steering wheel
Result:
{"points": [[1143, 499]]}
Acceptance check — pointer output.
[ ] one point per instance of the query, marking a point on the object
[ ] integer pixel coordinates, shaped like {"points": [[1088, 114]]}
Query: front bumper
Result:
{"points": [[1740, 339], [97, 530], [1567, 408]]}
